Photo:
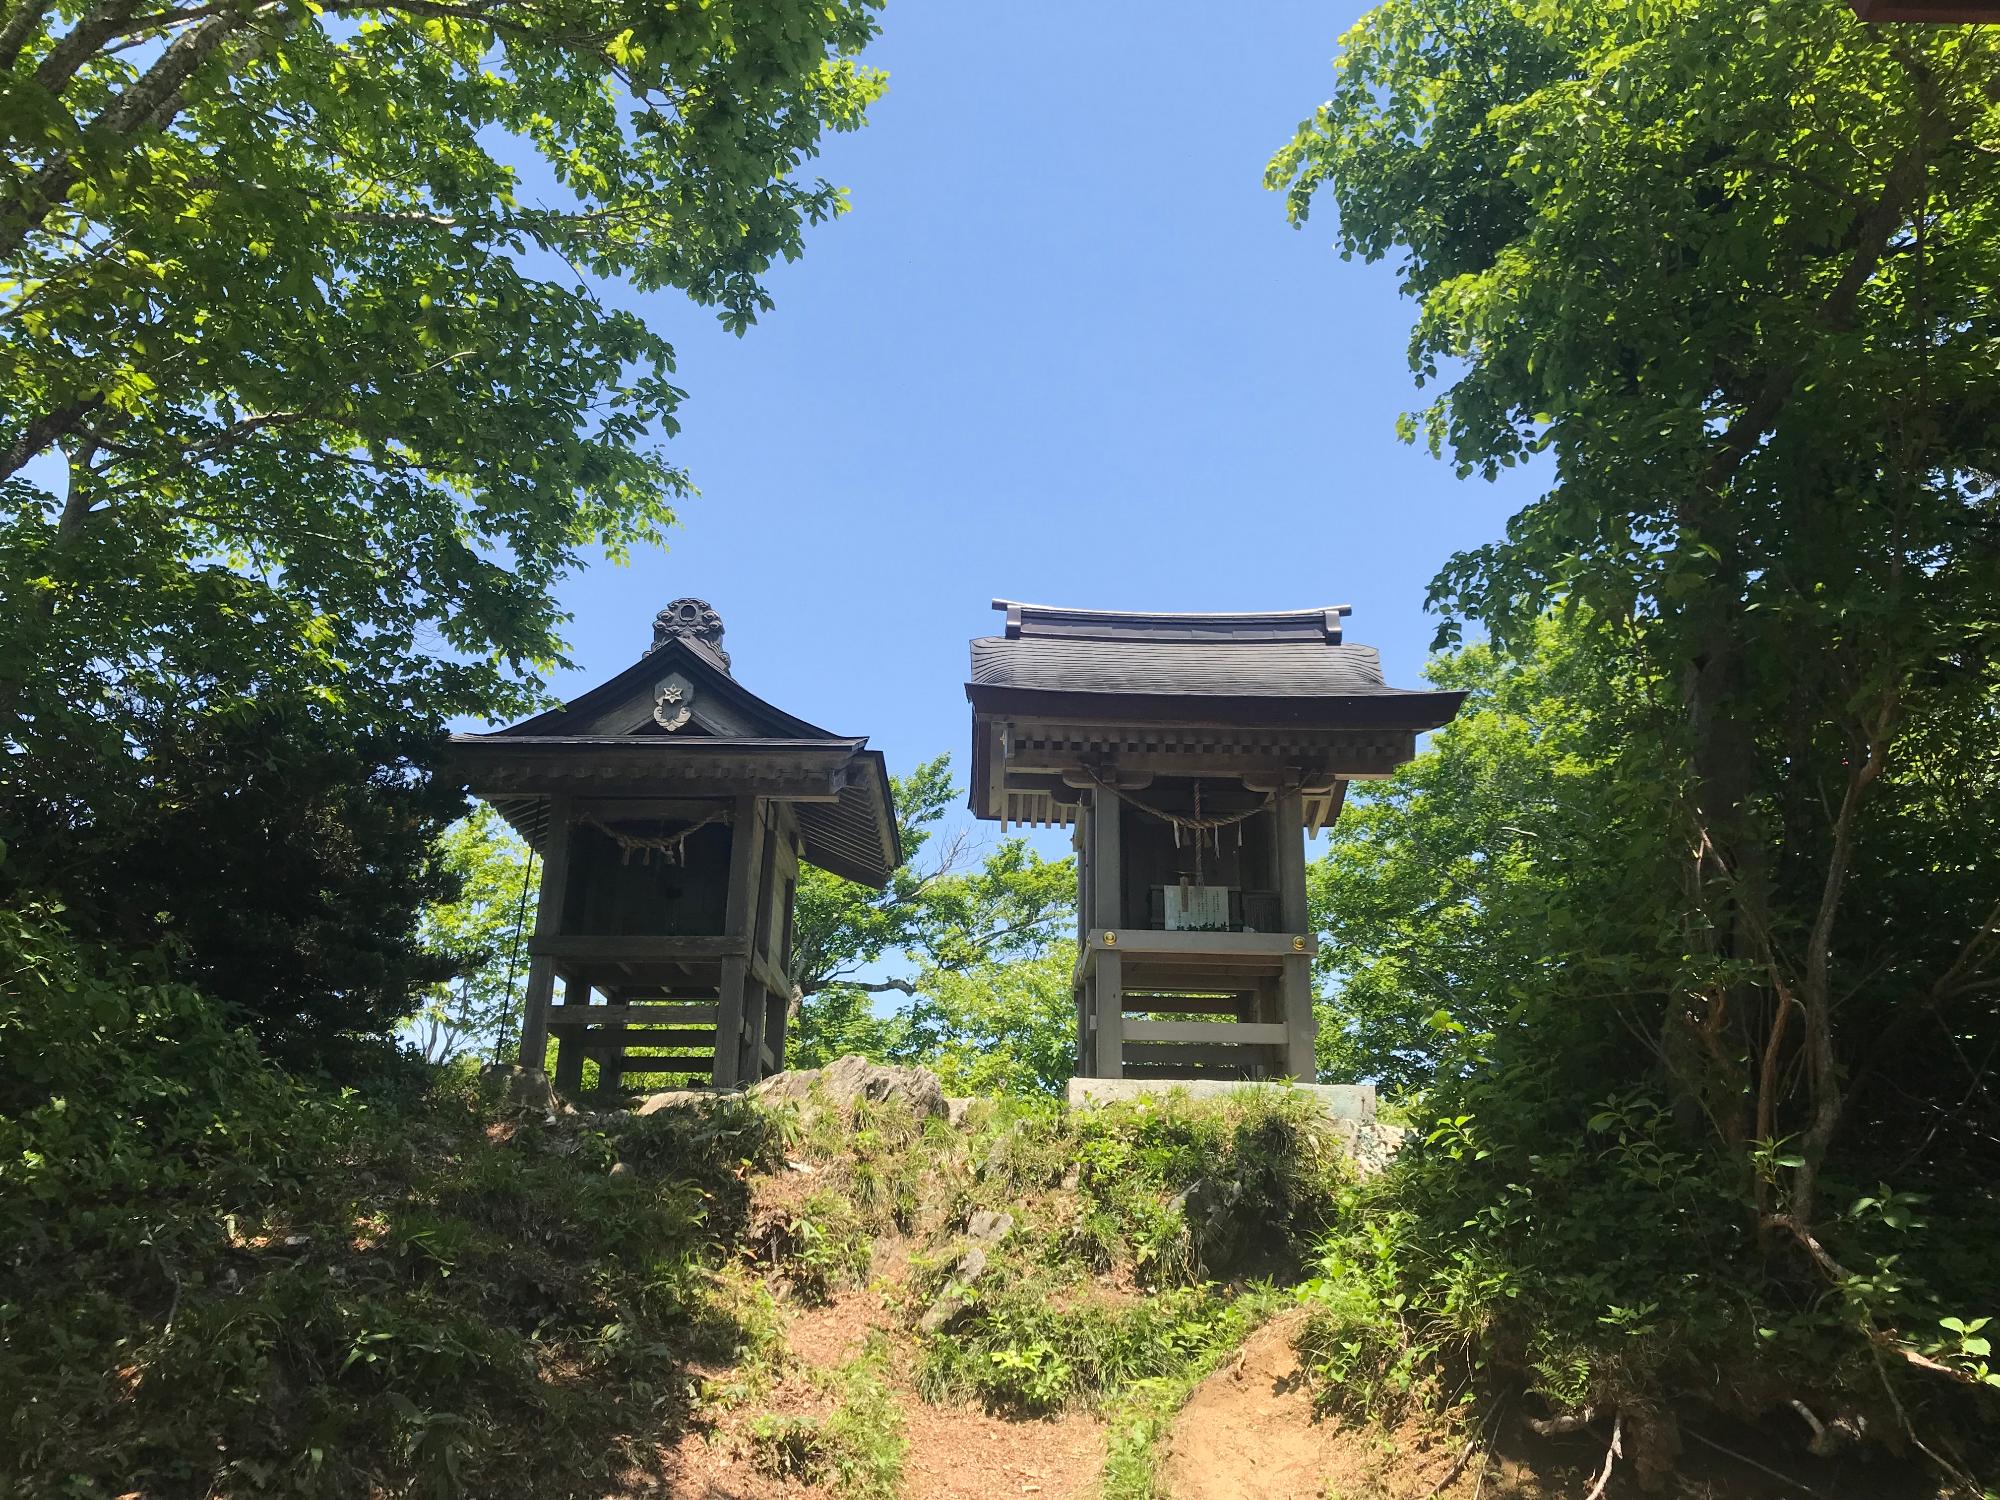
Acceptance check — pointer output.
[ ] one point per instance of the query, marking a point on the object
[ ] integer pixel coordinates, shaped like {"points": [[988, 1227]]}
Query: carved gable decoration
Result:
{"points": [[673, 701], [689, 619]]}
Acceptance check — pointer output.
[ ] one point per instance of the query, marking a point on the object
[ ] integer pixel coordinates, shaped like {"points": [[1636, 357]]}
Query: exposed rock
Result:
{"points": [[955, 1111], [988, 1227], [849, 1079], [1370, 1143], [652, 1104], [529, 1089], [957, 1293], [1208, 1208]]}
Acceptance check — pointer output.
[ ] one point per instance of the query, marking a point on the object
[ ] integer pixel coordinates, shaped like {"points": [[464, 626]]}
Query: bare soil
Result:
{"points": [[955, 1452], [1249, 1432], [962, 1453]]}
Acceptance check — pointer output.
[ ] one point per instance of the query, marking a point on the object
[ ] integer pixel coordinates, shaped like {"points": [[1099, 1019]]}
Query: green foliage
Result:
{"points": [[989, 1007], [270, 856], [1024, 1350], [1144, 1412], [1725, 266], [1495, 906], [999, 1026], [1162, 1194], [841, 928], [311, 392], [299, 369], [1522, 851], [240, 1284], [857, 1450], [821, 1246], [483, 930]]}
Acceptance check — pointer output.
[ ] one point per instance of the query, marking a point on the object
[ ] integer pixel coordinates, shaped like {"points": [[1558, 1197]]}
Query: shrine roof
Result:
{"points": [[677, 722], [1275, 666]]}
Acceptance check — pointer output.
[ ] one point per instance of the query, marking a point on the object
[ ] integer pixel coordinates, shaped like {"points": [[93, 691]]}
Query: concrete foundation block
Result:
{"points": [[1340, 1101]]}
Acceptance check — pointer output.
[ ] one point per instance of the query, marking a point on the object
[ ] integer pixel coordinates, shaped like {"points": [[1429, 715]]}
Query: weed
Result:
{"points": [[241, 1281], [857, 1449], [1145, 1410]]}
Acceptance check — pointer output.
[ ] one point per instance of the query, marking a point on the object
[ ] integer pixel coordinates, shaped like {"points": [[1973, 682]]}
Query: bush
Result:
{"points": [[1590, 1253], [226, 1281], [1158, 1196], [857, 1449]]}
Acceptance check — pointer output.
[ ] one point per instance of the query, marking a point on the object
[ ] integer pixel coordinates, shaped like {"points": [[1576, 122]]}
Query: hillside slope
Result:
{"points": [[223, 1281]]}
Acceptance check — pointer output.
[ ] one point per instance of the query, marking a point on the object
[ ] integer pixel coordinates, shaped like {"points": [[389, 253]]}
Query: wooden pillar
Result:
{"points": [[611, 1060], [1295, 984], [1107, 886], [571, 1041], [774, 1030], [746, 837], [1107, 882], [1110, 1041], [728, 1072], [756, 1007], [548, 920], [1080, 841], [1301, 1027], [1288, 842]]}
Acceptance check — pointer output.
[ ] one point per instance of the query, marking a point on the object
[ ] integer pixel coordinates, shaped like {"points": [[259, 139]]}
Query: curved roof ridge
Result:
{"points": [[1319, 624], [1311, 610]]}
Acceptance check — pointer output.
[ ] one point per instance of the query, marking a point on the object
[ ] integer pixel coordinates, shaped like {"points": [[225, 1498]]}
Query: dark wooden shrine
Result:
{"points": [[671, 807], [1191, 754]]}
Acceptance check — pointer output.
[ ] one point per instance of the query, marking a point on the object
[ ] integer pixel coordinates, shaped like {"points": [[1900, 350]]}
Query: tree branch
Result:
{"points": [[1871, 235], [151, 101], [22, 22]]}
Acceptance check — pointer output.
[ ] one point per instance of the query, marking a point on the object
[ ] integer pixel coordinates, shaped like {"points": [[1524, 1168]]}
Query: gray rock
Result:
{"points": [[955, 1111], [940, 1312], [652, 1104], [849, 1079], [1370, 1144], [988, 1227], [530, 1089], [957, 1294]]}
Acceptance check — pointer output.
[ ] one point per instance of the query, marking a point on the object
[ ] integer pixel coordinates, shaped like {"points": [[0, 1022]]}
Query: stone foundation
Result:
{"points": [[1339, 1101]]}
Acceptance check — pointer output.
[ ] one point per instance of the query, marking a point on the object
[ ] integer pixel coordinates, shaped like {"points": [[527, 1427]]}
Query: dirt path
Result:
{"points": [[955, 1452], [1249, 1433]]}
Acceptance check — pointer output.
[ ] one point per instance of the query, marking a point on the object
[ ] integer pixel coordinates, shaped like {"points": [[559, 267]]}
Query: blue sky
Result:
{"points": [[1064, 348]]}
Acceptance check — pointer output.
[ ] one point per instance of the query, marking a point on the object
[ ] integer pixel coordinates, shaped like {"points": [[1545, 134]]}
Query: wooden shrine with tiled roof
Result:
{"points": [[671, 807], [1190, 754]]}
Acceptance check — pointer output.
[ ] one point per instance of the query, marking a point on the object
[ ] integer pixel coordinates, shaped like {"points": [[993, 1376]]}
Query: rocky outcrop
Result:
{"points": [[847, 1080], [1369, 1142], [529, 1089]]}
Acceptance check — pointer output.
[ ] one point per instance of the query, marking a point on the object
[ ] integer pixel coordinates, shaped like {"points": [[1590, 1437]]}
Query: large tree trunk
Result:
{"points": [[1728, 867]]}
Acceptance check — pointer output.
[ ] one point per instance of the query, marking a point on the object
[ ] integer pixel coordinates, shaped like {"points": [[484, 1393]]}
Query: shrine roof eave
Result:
{"points": [[840, 788], [563, 758], [1414, 709]]}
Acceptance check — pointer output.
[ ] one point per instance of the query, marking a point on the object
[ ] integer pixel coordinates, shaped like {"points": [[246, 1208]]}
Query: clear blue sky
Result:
{"points": [[1064, 322]]}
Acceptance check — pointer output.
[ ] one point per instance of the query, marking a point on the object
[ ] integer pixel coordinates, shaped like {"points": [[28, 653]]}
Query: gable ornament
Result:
{"points": [[690, 619], [673, 701]]}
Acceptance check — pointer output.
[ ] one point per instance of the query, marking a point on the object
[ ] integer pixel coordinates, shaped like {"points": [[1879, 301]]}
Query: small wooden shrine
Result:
{"points": [[671, 807], [1190, 754]]}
